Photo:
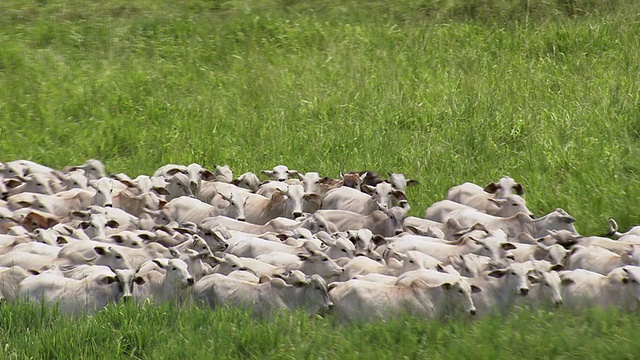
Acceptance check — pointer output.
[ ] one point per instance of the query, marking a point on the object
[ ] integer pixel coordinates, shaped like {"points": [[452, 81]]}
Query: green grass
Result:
{"points": [[165, 332], [445, 91]]}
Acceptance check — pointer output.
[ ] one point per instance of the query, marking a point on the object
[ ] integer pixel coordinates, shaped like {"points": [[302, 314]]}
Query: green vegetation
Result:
{"points": [[158, 332], [445, 91]]}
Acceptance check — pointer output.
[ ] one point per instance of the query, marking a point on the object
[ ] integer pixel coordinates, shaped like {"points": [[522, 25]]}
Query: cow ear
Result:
{"points": [[117, 238], [23, 203], [174, 171], [267, 172], [568, 219], [508, 246], [108, 280], [533, 279], [412, 182], [368, 189], [264, 279], [208, 175], [567, 281], [279, 283], [519, 189], [81, 215], [112, 224], [312, 197], [33, 272], [378, 240], [100, 250], [556, 267], [295, 173], [303, 256], [624, 280], [446, 286], [400, 195], [163, 263], [491, 188], [60, 240], [174, 252], [497, 273], [497, 202], [475, 289], [11, 183], [161, 191]]}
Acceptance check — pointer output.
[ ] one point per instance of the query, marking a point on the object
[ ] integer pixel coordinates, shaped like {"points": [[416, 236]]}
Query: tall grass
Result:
{"points": [[166, 332], [446, 91]]}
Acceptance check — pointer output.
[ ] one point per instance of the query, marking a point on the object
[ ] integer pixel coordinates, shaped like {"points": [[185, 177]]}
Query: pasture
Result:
{"points": [[546, 92]]}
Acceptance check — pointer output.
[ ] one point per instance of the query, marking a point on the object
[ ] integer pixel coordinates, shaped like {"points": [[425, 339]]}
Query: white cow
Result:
{"points": [[264, 298], [357, 300], [164, 280], [259, 210], [600, 260], [619, 288], [385, 222], [10, 278], [280, 173], [345, 198], [505, 186], [502, 287], [73, 296], [513, 226], [93, 169], [504, 207], [400, 182], [313, 223], [248, 180]]}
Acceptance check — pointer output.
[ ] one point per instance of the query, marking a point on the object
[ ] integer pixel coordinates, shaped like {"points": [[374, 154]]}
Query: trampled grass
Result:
{"points": [[547, 92]]}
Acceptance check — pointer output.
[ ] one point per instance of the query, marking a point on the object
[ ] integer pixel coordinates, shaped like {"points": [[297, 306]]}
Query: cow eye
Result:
{"points": [[344, 250], [513, 273], [325, 259], [460, 291], [546, 284], [38, 184], [118, 257], [174, 268]]}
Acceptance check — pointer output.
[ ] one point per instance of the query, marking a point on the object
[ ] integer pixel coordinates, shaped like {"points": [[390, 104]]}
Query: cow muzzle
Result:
{"points": [[523, 291]]}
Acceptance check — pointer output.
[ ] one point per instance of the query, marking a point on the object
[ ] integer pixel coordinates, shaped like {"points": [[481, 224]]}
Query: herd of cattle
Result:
{"points": [[82, 239]]}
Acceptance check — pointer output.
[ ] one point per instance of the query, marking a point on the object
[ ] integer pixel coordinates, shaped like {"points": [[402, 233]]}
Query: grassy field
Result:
{"points": [[445, 91], [192, 333]]}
